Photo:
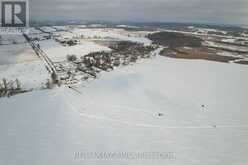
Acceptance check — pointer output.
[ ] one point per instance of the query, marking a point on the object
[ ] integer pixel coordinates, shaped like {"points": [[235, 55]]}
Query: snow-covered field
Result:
{"points": [[228, 47], [15, 49], [203, 107], [48, 29], [32, 75], [19, 61], [114, 34], [11, 54], [58, 53], [6, 39], [195, 109]]}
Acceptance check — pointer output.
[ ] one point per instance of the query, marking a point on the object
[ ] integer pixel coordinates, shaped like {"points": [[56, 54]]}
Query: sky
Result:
{"points": [[194, 11]]}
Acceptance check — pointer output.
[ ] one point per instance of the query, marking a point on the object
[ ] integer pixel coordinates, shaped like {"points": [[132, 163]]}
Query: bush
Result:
{"points": [[49, 84], [71, 57]]}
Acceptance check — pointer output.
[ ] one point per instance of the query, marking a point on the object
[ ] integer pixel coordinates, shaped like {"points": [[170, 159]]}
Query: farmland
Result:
{"points": [[78, 89]]}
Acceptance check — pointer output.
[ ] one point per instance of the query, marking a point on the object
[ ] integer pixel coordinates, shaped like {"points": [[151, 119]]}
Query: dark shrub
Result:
{"points": [[71, 58]]}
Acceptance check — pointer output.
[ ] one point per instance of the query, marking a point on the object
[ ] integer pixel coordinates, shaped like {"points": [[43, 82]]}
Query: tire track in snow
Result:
{"points": [[131, 124]]}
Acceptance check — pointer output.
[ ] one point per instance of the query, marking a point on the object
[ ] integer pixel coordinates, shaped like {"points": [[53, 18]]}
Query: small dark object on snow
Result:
{"points": [[71, 57], [160, 114], [203, 106]]}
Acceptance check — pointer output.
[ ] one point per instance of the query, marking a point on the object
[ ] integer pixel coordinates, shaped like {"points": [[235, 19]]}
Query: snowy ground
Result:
{"points": [[32, 75], [11, 54], [7, 39], [19, 61], [48, 29], [58, 53], [119, 113], [15, 49], [114, 34]]}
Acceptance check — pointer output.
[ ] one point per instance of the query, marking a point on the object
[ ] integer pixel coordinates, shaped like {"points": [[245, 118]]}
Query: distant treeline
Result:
{"points": [[174, 40]]}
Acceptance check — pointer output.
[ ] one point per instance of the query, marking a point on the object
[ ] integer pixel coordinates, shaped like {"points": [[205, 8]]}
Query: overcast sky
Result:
{"points": [[198, 11]]}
